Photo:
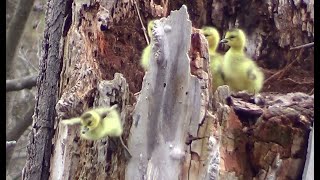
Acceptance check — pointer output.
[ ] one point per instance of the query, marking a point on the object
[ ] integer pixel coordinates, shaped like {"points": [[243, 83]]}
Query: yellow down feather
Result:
{"points": [[216, 59], [145, 57], [98, 123], [241, 72]]}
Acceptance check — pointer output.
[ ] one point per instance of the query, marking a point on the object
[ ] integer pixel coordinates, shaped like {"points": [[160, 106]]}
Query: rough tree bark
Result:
{"points": [[263, 140], [177, 129], [40, 138]]}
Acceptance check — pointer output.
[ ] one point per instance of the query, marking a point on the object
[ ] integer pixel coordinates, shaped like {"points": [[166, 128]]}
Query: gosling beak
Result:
{"points": [[224, 41], [84, 130]]}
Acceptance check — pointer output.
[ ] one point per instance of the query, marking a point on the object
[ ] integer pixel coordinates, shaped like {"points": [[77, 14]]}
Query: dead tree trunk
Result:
{"points": [[169, 109], [40, 137], [175, 128]]}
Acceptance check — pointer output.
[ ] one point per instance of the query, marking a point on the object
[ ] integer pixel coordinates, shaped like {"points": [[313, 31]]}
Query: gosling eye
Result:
{"points": [[86, 116], [231, 37], [89, 123], [103, 115]]}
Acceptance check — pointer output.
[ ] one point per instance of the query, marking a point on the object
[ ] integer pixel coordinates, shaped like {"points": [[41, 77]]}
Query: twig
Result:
{"points": [[303, 46], [300, 83], [143, 28], [311, 92], [23, 55], [18, 84], [281, 72]]}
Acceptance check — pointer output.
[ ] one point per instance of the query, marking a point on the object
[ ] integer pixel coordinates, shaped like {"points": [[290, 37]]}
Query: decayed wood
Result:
{"points": [[40, 137], [88, 60], [264, 141], [171, 123], [75, 158], [168, 108]]}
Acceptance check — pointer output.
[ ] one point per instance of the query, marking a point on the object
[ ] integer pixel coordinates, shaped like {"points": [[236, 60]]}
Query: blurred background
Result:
{"points": [[29, 24]]}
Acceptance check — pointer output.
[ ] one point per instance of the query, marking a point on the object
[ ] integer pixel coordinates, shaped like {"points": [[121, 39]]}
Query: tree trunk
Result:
{"points": [[40, 137], [178, 128]]}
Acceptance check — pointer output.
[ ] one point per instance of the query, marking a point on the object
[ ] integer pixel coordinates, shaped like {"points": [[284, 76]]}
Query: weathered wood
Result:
{"points": [[168, 107], [170, 131], [169, 136], [40, 137], [75, 158]]}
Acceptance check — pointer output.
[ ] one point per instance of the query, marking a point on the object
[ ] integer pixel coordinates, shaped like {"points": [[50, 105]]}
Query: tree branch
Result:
{"points": [[15, 31], [22, 83], [143, 28], [303, 46]]}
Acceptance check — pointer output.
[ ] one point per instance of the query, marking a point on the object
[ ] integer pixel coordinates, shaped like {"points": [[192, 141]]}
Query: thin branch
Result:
{"points": [[23, 54], [300, 83], [311, 92], [280, 73], [143, 28], [18, 84], [303, 46], [15, 30]]}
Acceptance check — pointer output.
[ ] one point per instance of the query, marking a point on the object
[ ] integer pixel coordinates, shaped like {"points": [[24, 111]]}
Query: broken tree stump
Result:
{"points": [[265, 141], [169, 105]]}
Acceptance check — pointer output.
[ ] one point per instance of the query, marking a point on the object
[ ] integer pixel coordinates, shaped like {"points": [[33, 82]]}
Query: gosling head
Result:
{"points": [[235, 38], [150, 27], [89, 121], [212, 36]]}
